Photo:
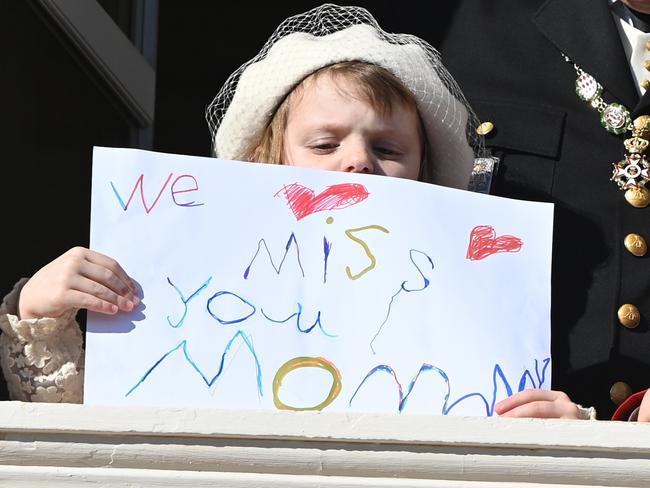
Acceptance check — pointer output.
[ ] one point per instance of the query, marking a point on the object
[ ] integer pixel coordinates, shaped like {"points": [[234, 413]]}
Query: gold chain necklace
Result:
{"points": [[632, 173]]}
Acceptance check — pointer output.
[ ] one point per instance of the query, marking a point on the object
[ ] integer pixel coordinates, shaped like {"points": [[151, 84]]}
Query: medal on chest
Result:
{"points": [[632, 173]]}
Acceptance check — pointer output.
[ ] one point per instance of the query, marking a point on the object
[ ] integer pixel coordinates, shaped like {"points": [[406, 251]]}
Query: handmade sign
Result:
{"points": [[275, 287]]}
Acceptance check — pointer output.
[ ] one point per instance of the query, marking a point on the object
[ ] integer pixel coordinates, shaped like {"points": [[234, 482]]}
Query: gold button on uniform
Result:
{"points": [[638, 197], [629, 316], [619, 392], [645, 84], [636, 244], [646, 64], [642, 126], [485, 128]]}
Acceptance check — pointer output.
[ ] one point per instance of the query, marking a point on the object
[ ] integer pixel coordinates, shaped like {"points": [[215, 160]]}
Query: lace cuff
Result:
{"points": [[42, 359], [586, 413]]}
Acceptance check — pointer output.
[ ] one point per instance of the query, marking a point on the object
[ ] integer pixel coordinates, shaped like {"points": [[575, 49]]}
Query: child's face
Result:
{"points": [[329, 128]]}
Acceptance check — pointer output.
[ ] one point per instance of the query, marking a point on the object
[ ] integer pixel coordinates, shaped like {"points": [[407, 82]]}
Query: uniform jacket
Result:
{"points": [[506, 56]]}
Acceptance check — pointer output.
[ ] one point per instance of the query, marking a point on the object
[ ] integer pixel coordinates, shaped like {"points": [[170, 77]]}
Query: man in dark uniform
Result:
{"points": [[518, 62]]}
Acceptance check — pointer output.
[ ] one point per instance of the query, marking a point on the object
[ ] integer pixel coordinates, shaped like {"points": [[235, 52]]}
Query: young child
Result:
{"points": [[329, 90]]}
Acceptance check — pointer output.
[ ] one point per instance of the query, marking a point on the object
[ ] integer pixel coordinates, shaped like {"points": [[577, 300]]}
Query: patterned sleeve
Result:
{"points": [[42, 359], [629, 409]]}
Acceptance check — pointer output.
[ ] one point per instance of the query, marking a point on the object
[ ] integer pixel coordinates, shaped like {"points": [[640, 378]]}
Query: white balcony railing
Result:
{"points": [[74, 445]]}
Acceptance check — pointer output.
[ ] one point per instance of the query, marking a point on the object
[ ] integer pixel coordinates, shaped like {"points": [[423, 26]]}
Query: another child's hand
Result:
{"points": [[80, 278], [538, 404]]}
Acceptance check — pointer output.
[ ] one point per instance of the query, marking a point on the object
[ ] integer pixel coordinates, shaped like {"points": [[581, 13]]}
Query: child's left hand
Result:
{"points": [[547, 404]]}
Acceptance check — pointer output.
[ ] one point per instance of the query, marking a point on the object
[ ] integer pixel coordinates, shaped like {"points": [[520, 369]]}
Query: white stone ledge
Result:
{"points": [[50, 444], [20, 477]]}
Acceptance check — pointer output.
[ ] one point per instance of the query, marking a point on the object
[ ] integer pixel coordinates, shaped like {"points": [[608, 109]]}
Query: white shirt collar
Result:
{"points": [[634, 43]]}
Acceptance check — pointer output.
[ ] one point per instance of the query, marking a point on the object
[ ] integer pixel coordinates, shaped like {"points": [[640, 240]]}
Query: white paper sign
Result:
{"points": [[275, 287]]}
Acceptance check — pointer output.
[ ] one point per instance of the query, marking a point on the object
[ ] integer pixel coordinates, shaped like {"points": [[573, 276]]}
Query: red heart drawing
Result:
{"points": [[303, 202], [483, 242]]}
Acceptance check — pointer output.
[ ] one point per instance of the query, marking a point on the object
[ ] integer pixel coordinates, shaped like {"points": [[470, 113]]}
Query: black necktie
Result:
{"points": [[639, 20]]}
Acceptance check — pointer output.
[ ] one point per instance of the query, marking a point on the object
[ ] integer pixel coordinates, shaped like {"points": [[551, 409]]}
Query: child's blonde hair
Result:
{"points": [[372, 84]]}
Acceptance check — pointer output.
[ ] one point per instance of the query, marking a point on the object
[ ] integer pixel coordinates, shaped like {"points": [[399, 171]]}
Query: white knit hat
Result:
{"points": [[331, 34]]}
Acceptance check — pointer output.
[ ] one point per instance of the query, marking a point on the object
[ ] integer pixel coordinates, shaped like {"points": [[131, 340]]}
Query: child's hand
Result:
{"points": [[80, 278], [539, 404]]}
